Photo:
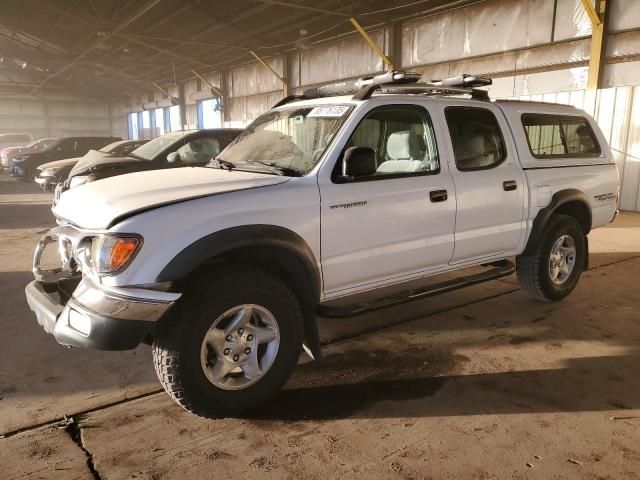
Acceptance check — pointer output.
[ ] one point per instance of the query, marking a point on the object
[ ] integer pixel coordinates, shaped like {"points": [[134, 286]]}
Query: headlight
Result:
{"points": [[76, 181], [48, 172], [110, 254], [18, 159]]}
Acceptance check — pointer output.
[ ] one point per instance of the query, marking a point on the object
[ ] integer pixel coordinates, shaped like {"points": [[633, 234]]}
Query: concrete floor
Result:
{"points": [[480, 383]]}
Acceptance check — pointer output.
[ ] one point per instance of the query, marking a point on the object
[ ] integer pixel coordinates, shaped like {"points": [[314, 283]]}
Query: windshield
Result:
{"points": [[291, 139], [111, 147], [41, 145], [152, 149]]}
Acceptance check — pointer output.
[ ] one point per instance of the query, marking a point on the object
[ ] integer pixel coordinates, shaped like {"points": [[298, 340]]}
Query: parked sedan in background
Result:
{"points": [[24, 165], [176, 149], [6, 154], [48, 175]]}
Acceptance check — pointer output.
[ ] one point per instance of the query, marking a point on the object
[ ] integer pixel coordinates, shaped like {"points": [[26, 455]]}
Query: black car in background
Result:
{"points": [[48, 175], [24, 165], [176, 149]]}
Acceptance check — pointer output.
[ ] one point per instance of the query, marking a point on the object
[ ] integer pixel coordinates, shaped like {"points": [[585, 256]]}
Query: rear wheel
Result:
{"points": [[231, 345], [552, 271]]}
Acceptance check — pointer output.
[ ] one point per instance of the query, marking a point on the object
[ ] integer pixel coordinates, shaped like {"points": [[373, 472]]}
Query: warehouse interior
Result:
{"points": [[135, 70], [478, 383]]}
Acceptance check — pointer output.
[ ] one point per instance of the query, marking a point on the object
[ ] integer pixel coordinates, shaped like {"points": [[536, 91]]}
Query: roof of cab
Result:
{"points": [[516, 107]]}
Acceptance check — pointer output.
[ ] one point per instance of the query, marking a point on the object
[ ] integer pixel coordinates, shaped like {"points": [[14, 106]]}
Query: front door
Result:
{"points": [[488, 180], [380, 228]]}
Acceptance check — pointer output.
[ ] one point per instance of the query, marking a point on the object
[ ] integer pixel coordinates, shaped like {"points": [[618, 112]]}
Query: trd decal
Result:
{"points": [[349, 205], [604, 197]]}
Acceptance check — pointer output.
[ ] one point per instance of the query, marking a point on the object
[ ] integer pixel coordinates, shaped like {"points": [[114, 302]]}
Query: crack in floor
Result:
{"points": [[61, 421], [74, 430]]}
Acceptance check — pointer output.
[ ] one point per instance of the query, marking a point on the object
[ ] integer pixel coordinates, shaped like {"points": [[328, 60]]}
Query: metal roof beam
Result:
{"points": [[132, 18], [161, 50], [307, 8]]}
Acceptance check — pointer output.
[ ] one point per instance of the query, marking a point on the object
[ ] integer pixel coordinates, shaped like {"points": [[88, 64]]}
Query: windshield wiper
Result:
{"points": [[278, 169], [223, 164]]}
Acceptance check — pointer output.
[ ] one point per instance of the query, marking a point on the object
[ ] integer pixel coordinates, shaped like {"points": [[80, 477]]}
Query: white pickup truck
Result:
{"points": [[329, 205]]}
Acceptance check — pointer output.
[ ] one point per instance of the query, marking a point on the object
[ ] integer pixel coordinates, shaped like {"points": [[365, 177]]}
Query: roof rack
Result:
{"points": [[398, 82], [419, 88]]}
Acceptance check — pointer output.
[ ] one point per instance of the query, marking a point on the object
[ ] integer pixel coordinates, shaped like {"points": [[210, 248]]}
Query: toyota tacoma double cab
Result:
{"points": [[333, 203]]}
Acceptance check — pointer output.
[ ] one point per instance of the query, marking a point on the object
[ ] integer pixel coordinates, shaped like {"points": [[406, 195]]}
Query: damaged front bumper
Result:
{"points": [[80, 312]]}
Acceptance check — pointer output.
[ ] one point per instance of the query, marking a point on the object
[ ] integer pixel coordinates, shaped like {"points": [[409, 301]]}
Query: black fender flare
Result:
{"points": [[302, 264], [559, 199]]}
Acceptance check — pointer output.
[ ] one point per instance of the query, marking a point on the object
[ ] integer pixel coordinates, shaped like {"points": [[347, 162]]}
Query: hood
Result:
{"points": [[95, 159], [97, 205], [59, 163]]}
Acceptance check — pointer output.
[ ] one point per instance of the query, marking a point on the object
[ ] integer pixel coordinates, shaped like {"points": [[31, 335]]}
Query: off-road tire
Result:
{"points": [[176, 347], [533, 269]]}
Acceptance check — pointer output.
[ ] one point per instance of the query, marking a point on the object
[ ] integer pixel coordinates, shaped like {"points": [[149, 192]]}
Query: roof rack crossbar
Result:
{"points": [[289, 99], [367, 91], [464, 80]]}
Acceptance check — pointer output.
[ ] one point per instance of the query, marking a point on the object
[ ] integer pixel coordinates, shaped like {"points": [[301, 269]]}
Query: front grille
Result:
{"points": [[72, 247]]}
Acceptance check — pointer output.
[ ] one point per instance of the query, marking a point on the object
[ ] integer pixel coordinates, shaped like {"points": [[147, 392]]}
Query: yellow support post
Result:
{"points": [[371, 43], [597, 41], [591, 11], [163, 90], [285, 87], [211, 86]]}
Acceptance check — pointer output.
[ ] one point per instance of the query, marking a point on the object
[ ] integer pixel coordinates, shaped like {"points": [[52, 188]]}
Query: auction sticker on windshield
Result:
{"points": [[328, 111]]}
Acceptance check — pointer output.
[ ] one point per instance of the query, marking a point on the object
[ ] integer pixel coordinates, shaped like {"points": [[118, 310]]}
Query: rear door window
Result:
{"points": [[476, 138], [68, 145], [559, 136]]}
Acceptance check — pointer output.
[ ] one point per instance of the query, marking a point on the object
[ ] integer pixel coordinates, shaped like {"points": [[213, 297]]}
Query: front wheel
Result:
{"points": [[552, 271], [29, 175], [231, 344]]}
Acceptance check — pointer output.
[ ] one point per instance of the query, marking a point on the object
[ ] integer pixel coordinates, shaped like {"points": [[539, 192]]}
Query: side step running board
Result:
{"points": [[500, 269]]}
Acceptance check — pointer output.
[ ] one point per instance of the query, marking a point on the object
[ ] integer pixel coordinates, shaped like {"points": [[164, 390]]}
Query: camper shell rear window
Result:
{"points": [[559, 136]]}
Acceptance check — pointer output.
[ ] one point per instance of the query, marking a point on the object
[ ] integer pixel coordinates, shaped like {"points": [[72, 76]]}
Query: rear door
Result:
{"points": [[489, 182]]}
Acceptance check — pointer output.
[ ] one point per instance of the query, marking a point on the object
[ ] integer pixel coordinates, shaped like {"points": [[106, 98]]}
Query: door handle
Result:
{"points": [[438, 196], [509, 185]]}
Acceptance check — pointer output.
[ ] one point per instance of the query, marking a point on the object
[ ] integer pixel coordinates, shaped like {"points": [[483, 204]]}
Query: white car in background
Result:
{"points": [[15, 140]]}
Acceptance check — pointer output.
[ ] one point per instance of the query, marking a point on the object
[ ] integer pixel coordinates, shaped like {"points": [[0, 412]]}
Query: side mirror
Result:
{"points": [[358, 162], [173, 157]]}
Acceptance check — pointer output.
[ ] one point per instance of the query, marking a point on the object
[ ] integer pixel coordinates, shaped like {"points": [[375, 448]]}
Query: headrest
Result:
{"points": [[398, 146], [468, 146]]}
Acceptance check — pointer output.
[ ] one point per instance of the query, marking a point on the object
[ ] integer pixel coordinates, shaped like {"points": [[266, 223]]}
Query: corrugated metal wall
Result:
{"points": [[342, 59], [55, 117], [532, 48]]}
